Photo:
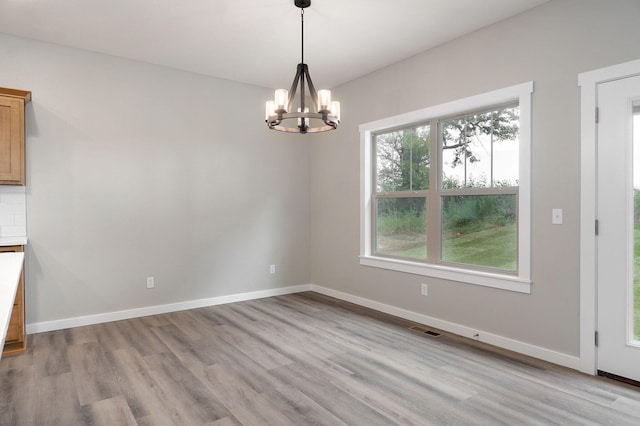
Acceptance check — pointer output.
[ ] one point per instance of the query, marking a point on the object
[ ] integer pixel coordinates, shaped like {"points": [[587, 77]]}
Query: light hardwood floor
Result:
{"points": [[291, 360]]}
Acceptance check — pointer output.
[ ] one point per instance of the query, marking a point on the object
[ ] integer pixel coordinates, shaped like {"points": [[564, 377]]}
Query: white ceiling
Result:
{"points": [[256, 41]]}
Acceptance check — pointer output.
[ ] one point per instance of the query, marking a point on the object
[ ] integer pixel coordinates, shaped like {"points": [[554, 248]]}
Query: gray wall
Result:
{"points": [[550, 45], [135, 170]]}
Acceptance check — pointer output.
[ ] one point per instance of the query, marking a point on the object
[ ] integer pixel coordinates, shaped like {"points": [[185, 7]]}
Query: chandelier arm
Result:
{"points": [[312, 89], [272, 124], [293, 89], [330, 123], [303, 122]]}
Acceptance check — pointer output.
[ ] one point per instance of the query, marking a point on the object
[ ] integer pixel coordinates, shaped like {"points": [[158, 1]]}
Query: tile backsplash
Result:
{"points": [[13, 211]]}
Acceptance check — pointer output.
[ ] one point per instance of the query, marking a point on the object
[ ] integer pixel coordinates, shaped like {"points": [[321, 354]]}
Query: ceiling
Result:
{"points": [[256, 41]]}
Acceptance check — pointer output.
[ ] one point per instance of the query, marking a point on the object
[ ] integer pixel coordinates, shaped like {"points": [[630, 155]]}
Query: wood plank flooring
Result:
{"points": [[292, 360]]}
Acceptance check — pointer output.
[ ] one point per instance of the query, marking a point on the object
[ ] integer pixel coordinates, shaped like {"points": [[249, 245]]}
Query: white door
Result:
{"points": [[618, 272]]}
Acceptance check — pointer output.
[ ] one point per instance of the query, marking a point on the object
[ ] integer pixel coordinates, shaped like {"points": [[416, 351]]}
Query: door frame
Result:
{"points": [[588, 82]]}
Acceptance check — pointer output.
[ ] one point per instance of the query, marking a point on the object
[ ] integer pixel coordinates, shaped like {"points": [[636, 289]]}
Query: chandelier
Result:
{"points": [[280, 114]]}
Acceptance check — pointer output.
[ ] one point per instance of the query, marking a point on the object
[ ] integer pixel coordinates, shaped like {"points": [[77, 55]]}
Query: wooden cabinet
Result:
{"points": [[16, 340], [12, 149]]}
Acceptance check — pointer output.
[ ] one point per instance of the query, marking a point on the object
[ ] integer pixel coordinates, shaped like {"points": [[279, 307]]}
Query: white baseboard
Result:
{"points": [[461, 330], [492, 339], [160, 309]]}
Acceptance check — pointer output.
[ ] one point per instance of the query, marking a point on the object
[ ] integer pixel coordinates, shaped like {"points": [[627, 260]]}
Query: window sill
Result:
{"points": [[486, 279]]}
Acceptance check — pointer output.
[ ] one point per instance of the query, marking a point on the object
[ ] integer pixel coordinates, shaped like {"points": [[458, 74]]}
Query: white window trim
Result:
{"points": [[520, 283]]}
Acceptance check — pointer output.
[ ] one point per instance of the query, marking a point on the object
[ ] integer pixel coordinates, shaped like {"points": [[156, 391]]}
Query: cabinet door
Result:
{"points": [[15, 332], [11, 141]]}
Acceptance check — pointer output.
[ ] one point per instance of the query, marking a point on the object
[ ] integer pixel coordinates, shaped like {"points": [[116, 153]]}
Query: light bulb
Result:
{"points": [[324, 99], [281, 99], [270, 109], [335, 109]]}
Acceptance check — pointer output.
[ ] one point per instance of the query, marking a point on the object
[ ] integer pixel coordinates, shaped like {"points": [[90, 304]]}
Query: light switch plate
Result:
{"points": [[556, 216]]}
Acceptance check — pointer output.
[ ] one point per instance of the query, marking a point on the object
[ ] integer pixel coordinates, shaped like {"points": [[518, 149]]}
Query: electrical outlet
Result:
{"points": [[150, 282], [272, 269], [424, 290]]}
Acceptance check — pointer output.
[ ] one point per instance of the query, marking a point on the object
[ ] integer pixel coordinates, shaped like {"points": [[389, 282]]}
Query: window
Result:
{"points": [[445, 190], [402, 173]]}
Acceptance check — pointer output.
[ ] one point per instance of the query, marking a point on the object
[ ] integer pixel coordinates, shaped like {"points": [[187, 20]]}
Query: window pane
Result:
{"points": [[480, 230], [481, 150], [506, 147], [401, 225], [403, 160]]}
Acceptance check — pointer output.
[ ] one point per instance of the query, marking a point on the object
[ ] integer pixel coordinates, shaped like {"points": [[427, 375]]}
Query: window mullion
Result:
{"points": [[410, 161], [491, 182], [433, 202]]}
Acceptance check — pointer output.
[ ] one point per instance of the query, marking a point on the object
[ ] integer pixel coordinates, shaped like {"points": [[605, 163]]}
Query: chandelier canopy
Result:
{"points": [[280, 114]]}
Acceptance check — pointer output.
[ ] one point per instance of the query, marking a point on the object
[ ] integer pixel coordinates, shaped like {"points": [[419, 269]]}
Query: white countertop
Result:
{"points": [[13, 241], [10, 269]]}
